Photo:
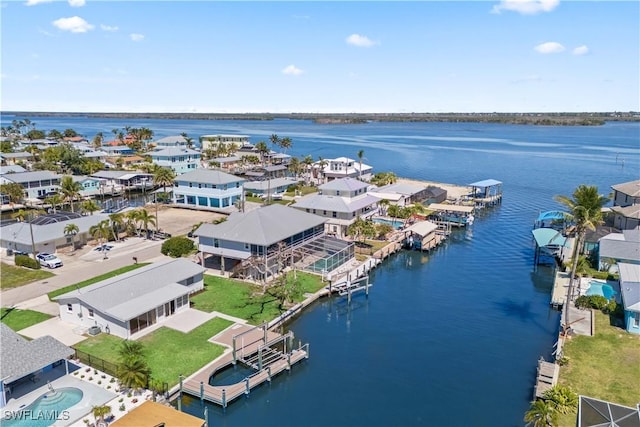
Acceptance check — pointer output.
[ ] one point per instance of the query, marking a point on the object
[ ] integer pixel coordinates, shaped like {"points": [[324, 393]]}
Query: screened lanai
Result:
{"points": [[595, 413], [323, 254]]}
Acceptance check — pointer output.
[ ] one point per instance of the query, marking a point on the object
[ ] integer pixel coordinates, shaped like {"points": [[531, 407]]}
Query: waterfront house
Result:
{"points": [[626, 194], [91, 186], [402, 194], [343, 167], [25, 361], [11, 169], [207, 189], [230, 163], [46, 232], [626, 217], [117, 150], [37, 184], [119, 180], [14, 158], [619, 247], [177, 141], [342, 202], [180, 160], [630, 290], [260, 243], [212, 142], [131, 302]]}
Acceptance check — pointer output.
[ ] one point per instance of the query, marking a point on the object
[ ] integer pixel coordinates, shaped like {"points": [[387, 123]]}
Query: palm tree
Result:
{"points": [[131, 350], [321, 165], [71, 230], [262, 148], [163, 177], [20, 215], [285, 143], [384, 205], [133, 217], [275, 140], [294, 166], [145, 219], [55, 201], [117, 220], [189, 141], [563, 398], [14, 191], [98, 140], [101, 231], [99, 412], [70, 189], [360, 156], [585, 210], [307, 161], [541, 414], [133, 373], [89, 206]]}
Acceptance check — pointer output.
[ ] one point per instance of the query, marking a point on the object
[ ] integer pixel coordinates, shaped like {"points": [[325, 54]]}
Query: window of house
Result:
{"points": [[90, 314], [246, 246], [334, 214], [324, 212], [199, 185], [216, 243], [191, 184], [337, 192], [69, 308], [636, 320]]}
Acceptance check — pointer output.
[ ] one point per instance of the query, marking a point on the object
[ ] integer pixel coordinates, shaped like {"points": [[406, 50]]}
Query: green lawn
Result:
{"points": [[169, 353], [303, 190], [96, 279], [243, 300], [20, 319], [605, 366], [12, 276]]}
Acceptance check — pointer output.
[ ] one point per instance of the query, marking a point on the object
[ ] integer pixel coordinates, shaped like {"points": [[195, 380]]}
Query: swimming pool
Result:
{"points": [[45, 410], [602, 289], [397, 224]]}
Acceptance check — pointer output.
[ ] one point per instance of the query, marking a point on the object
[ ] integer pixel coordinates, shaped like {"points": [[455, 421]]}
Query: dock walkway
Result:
{"points": [[546, 377]]}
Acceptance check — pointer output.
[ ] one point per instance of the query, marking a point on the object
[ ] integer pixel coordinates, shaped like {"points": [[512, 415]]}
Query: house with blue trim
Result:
{"points": [[180, 160], [91, 186], [176, 141], [630, 290], [208, 189], [36, 184]]}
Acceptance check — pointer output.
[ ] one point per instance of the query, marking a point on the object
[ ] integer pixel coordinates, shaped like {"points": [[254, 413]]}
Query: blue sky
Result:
{"points": [[429, 56]]}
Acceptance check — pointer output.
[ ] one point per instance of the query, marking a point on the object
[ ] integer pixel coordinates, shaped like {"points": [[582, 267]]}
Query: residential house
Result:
{"points": [[402, 194], [131, 302], [46, 232], [24, 361], [91, 186], [207, 189], [260, 243], [117, 150], [275, 186], [626, 194], [177, 141], [343, 167], [630, 290], [341, 201], [118, 180], [230, 164], [14, 158], [180, 160], [37, 184], [211, 142], [11, 169], [619, 247]]}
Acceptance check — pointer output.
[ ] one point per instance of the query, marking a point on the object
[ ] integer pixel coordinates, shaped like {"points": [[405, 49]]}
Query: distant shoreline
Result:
{"points": [[541, 119]]}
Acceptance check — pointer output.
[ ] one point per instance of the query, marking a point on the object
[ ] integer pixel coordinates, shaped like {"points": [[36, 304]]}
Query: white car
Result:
{"points": [[49, 260]]}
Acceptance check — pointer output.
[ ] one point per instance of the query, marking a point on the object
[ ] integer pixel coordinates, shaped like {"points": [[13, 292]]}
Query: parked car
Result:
{"points": [[48, 260]]}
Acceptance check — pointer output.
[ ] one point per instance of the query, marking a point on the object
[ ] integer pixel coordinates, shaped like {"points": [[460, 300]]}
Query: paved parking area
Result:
{"points": [[67, 333]]}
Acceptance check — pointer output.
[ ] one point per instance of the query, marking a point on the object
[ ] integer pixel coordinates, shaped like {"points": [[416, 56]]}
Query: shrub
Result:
{"points": [[120, 400], [122, 407], [26, 261], [177, 246], [592, 301]]}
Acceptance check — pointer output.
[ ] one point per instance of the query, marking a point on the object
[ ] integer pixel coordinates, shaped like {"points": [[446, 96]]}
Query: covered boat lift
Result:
{"points": [[549, 244], [487, 192], [422, 236]]}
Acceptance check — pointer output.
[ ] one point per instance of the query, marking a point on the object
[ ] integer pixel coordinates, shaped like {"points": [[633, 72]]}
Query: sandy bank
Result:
{"points": [[453, 191]]}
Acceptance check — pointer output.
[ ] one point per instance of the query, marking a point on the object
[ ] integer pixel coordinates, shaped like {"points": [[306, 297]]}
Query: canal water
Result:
{"points": [[446, 339]]}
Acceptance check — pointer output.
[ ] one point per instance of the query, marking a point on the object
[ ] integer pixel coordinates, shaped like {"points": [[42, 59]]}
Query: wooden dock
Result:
{"points": [[546, 377], [253, 346], [559, 292]]}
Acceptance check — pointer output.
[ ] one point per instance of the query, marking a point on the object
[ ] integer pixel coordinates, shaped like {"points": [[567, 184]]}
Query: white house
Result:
{"points": [[179, 159], [36, 184], [177, 141], [213, 141], [343, 167], [207, 188], [342, 201], [128, 303]]}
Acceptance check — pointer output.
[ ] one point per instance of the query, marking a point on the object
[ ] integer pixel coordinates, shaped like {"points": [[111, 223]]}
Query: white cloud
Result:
{"points": [[75, 24], [360, 41], [76, 3], [137, 37], [292, 70], [580, 50], [526, 7], [549, 47], [108, 28], [35, 2]]}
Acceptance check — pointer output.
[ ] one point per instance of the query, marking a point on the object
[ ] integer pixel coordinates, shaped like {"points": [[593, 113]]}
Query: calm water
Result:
{"points": [[448, 339]]}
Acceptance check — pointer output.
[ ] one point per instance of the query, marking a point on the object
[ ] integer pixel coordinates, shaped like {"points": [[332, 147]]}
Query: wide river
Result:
{"points": [[447, 339]]}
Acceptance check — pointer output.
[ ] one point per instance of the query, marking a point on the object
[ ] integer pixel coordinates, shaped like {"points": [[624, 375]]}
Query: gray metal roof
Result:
{"points": [[619, 247], [269, 183], [21, 177], [208, 176], [21, 357], [275, 168], [630, 285], [19, 232], [133, 293], [114, 174], [631, 188], [344, 184], [336, 203], [174, 151], [486, 183], [401, 188], [632, 211], [263, 226], [17, 155], [177, 139], [11, 169]]}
